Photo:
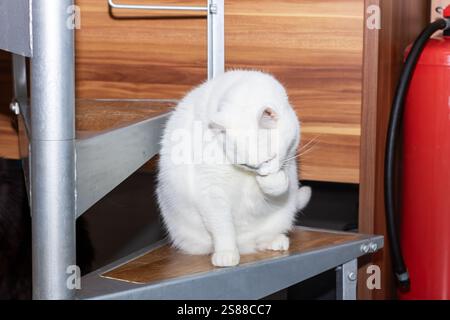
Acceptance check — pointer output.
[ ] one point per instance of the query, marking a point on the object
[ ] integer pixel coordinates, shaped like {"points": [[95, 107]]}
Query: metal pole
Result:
{"points": [[216, 38], [346, 280], [52, 149]]}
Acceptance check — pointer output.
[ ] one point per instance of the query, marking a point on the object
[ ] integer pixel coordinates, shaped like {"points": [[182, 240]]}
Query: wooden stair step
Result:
{"points": [[167, 262], [162, 272]]}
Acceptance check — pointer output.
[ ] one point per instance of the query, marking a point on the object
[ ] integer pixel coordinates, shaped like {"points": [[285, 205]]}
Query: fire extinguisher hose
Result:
{"points": [[400, 269]]}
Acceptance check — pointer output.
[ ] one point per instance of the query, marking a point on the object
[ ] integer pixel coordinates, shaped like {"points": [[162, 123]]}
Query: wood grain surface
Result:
{"points": [[166, 262], [313, 47], [100, 115]]}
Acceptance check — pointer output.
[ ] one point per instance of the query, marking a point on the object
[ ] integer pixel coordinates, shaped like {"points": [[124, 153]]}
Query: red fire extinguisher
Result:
{"points": [[421, 257]]}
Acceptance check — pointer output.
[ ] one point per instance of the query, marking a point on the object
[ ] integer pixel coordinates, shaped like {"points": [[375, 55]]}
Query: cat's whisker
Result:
{"points": [[290, 159], [306, 152], [298, 155], [310, 142], [304, 149]]}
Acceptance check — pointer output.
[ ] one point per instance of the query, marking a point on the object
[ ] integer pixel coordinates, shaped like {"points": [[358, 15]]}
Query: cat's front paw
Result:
{"points": [[275, 184], [225, 258]]}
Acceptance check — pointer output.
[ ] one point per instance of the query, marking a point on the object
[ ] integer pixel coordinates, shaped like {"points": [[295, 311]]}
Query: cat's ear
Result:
{"points": [[218, 122], [268, 118]]}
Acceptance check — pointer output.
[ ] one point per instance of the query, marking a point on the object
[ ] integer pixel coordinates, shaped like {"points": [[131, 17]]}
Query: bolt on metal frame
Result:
{"points": [[346, 280]]}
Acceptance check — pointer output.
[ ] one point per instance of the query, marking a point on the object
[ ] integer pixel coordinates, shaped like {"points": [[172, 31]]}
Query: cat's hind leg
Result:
{"points": [[189, 235], [278, 243], [272, 233], [193, 245]]}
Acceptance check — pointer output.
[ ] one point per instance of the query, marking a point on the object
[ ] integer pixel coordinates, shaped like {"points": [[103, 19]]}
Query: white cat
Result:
{"points": [[236, 200]]}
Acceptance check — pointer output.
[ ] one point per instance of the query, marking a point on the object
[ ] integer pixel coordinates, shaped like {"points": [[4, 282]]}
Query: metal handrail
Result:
{"points": [[114, 5], [215, 15]]}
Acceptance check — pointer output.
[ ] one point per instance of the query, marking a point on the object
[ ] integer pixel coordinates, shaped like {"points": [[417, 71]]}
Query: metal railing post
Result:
{"points": [[216, 38], [52, 149]]}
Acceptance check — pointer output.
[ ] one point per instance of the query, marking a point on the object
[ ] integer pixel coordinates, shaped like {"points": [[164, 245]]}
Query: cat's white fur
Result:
{"points": [[229, 209]]}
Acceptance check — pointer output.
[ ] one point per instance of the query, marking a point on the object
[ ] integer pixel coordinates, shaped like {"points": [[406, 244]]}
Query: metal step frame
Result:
{"points": [[250, 281], [15, 26]]}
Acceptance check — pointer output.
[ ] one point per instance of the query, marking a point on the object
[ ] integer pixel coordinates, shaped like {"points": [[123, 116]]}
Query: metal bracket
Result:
{"points": [[346, 280], [216, 38]]}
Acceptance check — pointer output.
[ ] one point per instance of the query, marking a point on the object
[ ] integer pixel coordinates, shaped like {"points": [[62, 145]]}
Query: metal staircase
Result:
{"points": [[67, 173]]}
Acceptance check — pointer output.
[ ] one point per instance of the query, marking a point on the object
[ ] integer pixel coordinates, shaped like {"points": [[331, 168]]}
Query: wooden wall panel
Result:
{"points": [[315, 49], [313, 46], [138, 54]]}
